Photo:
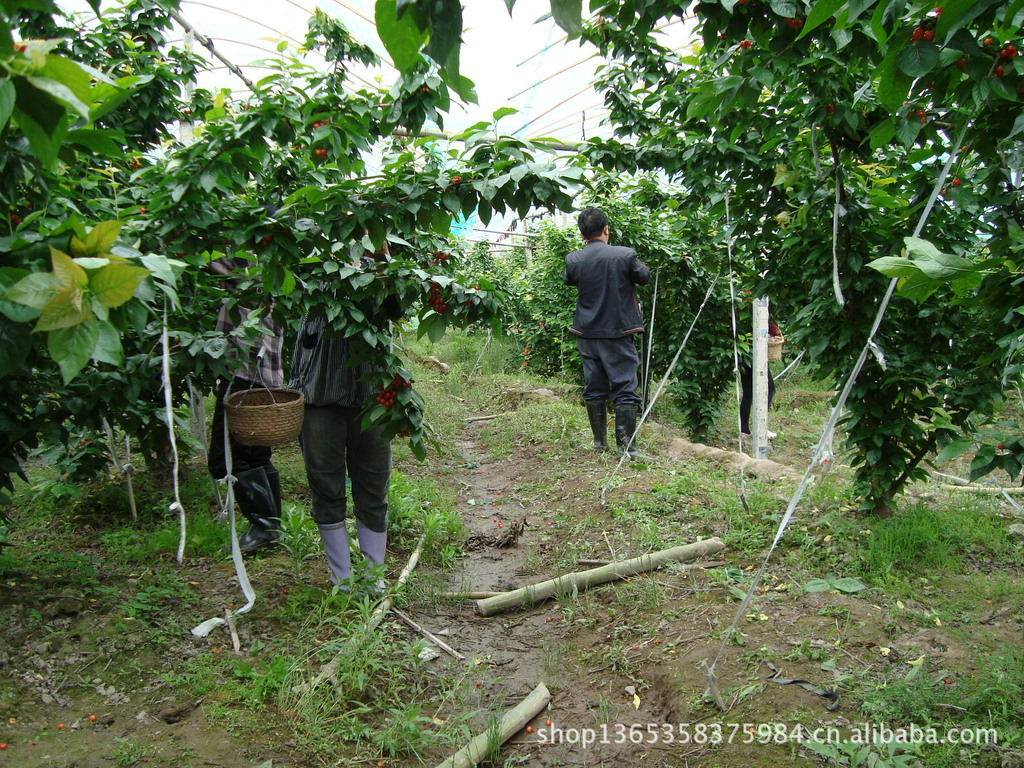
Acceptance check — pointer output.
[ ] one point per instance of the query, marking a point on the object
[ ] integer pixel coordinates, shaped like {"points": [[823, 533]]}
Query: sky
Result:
{"points": [[519, 61], [522, 61]]}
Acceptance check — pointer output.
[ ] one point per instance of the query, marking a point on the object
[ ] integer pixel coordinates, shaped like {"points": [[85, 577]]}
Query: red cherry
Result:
{"points": [[955, 182], [1008, 52], [988, 41], [320, 152], [998, 71], [929, 35], [829, 108], [917, 34], [744, 44], [961, 63]]}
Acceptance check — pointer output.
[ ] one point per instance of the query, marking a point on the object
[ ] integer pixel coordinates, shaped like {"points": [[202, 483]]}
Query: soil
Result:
{"points": [[87, 687]]}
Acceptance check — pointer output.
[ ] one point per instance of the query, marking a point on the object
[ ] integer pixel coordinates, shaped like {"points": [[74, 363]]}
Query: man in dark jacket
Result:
{"points": [[607, 316]]}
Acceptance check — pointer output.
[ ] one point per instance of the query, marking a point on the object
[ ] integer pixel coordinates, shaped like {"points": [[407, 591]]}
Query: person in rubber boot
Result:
{"points": [[335, 448], [607, 317], [257, 488]]}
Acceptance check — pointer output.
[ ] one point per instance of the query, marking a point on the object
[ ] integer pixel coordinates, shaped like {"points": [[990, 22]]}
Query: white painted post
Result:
{"points": [[759, 381]]}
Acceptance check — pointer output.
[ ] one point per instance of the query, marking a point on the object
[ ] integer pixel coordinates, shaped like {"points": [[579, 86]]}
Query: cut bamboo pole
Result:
{"points": [[429, 635], [328, 670], [984, 490], [580, 580], [468, 595], [511, 722]]}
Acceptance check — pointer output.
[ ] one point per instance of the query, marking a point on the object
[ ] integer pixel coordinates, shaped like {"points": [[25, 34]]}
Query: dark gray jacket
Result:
{"points": [[605, 277]]}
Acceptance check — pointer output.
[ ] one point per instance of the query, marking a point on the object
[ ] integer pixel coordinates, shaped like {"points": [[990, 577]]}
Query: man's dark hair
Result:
{"points": [[591, 222]]}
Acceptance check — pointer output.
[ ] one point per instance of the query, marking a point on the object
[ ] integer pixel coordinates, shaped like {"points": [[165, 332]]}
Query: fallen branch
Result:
{"points": [[471, 419], [328, 670], [580, 580], [430, 636], [500, 731]]}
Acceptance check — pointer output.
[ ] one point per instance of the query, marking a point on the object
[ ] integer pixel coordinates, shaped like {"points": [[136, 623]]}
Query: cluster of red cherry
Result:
{"points": [[436, 301], [386, 396]]}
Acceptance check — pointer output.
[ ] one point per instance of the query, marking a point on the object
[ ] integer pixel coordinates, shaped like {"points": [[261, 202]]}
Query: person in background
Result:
{"points": [[258, 484], [334, 445], [607, 316]]}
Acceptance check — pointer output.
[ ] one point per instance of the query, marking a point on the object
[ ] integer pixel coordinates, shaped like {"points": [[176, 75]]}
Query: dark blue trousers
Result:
{"points": [[610, 370]]}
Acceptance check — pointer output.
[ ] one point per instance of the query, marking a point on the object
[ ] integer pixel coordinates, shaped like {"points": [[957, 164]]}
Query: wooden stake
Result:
{"points": [[501, 731], [235, 642], [580, 580], [430, 636]]}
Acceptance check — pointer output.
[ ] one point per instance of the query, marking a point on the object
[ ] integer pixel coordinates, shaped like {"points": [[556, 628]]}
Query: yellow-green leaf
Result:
{"points": [[64, 311], [99, 241], [69, 274], [114, 284]]}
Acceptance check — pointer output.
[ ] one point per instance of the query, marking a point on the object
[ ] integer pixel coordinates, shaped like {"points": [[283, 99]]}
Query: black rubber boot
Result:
{"points": [[625, 426], [597, 412], [255, 496]]}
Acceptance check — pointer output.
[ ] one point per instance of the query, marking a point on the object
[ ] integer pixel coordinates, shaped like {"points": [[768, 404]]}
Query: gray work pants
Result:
{"points": [[334, 448]]}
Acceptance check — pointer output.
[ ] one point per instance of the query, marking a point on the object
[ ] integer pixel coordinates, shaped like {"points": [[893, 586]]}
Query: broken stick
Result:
{"points": [[429, 635], [574, 582], [500, 731]]}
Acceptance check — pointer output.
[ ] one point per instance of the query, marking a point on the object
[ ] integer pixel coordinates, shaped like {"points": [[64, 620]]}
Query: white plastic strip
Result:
{"points": [[835, 245], [203, 629], [176, 505]]}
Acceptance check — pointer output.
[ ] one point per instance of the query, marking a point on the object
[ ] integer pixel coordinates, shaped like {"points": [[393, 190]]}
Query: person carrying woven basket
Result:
{"points": [[257, 487], [335, 448]]}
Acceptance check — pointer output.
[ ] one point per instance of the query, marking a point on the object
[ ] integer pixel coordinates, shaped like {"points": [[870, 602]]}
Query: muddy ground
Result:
{"points": [[88, 693]]}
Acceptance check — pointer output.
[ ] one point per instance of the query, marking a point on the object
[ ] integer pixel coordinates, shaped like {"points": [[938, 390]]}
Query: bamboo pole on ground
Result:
{"points": [[511, 722], [570, 582]]}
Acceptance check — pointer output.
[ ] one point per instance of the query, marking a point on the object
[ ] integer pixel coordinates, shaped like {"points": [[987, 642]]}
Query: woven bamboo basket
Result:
{"points": [[264, 416], [775, 348]]}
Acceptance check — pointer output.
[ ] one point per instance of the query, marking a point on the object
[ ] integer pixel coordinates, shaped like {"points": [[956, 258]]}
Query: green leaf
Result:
{"points": [[894, 266], [35, 290], [99, 241], [503, 112], [161, 266], [115, 284], [945, 266], [401, 37], [7, 98], [568, 14], [820, 12], [954, 449], [64, 310], [68, 274], [101, 141], [848, 585], [445, 29], [893, 84], [71, 348], [918, 59], [817, 585], [108, 345], [16, 343], [955, 14]]}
